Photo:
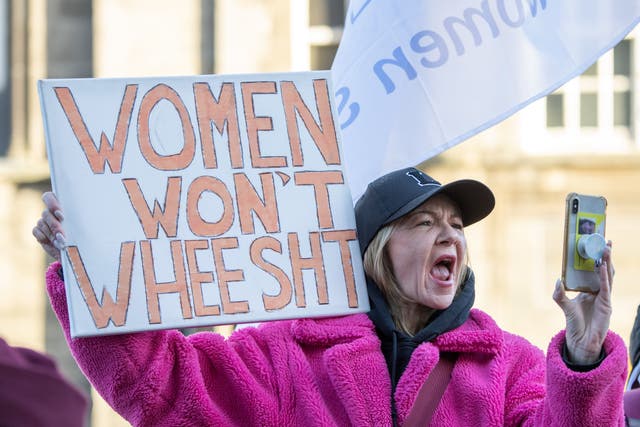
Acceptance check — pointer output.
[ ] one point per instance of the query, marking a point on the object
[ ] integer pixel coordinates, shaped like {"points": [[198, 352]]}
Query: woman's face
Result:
{"points": [[587, 227], [427, 252]]}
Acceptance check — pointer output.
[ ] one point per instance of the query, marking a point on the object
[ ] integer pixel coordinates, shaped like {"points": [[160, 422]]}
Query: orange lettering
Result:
{"points": [[166, 217], [108, 310], [320, 180], [225, 276], [315, 263], [323, 134], [198, 278], [249, 201], [171, 162], [154, 289], [343, 237], [197, 224], [219, 112], [107, 153], [256, 124], [282, 299]]}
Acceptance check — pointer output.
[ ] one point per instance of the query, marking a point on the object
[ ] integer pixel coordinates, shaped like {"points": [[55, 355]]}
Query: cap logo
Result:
{"points": [[420, 178]]}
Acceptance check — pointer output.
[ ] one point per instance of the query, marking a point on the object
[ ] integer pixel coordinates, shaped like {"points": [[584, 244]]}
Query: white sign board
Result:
{"points": [[201, 200]]}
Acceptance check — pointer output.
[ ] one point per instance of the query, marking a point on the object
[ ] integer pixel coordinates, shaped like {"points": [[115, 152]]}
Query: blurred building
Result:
{"points": [[582, 138]]}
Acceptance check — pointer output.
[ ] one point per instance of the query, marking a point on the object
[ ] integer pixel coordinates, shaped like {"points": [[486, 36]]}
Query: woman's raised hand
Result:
{"points": [[588, 315]]}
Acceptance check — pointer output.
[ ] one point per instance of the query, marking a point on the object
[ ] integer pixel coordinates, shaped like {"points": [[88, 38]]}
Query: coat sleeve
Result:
{"points": [[592, 398], [163, 378], [559, 396]]}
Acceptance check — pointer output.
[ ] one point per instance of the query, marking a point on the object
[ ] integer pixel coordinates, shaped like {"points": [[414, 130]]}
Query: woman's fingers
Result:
{"points": [[60, 242], [50, 246], [559, 295], [52, 218], [48, 230], [605, 282], [45, 229], [40, 236], [52, 222], [610, 270], [51, 202]]}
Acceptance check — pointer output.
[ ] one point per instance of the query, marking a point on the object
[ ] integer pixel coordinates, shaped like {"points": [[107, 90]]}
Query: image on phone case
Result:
{"points": [[586, 223]]}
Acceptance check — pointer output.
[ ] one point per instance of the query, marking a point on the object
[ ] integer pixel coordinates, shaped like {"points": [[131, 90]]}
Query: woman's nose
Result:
{"points": [[448, 235]]}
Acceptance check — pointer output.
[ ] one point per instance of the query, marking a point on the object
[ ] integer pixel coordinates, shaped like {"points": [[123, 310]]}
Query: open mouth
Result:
{"points": [[443, 268]]}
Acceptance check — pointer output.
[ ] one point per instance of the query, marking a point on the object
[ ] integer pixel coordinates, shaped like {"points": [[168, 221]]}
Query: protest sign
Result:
{"points": [[201, 200], [414, 78]]}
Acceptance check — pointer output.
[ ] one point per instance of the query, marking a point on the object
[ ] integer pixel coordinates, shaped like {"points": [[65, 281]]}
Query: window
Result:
{"points": [[622, 73], [316, 30], [614, 71], [555, 110], [326, 20], [595, 106]]}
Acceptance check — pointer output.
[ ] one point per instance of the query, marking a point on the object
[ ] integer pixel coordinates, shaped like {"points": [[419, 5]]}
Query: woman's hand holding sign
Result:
{"points": [[48, 231]]}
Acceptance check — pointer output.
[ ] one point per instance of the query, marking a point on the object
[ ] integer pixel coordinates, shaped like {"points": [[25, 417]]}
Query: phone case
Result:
{"points": [[584, 215]]}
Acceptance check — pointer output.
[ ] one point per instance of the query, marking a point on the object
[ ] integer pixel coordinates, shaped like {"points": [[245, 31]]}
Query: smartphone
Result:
{"points": [[584, 227]]}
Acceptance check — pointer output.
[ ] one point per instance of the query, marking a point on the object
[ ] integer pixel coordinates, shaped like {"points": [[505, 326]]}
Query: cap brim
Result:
{"points": [[474, 199]]}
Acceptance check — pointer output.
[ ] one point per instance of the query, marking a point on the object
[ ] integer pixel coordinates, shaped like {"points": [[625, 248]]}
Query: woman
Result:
{"points": [[368, 370]]}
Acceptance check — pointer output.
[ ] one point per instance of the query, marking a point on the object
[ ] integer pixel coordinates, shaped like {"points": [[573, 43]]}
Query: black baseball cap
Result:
{"points": [[399, 192]]}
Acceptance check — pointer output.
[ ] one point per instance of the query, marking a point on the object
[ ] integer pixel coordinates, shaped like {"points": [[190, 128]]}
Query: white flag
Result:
{"points": [[416, 77]]}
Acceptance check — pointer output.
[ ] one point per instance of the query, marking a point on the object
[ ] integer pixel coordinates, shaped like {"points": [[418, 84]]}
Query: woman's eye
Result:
{"points": [[426, 222], [457, 226]]}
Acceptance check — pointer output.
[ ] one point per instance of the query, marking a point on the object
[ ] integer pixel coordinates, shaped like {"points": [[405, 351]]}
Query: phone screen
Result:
{"points": [[586, 223]]}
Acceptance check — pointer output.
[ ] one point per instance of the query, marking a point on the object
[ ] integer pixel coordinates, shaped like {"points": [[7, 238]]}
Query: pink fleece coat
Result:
{"points": [[331, 372]]}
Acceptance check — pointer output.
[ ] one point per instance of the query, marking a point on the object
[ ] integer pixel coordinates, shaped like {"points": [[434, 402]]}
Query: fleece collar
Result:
{"points": [[332, 330], [479, 334]]}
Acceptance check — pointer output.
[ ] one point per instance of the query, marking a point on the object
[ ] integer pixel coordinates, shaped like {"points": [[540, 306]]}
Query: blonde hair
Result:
{"points": [[377, 265]]}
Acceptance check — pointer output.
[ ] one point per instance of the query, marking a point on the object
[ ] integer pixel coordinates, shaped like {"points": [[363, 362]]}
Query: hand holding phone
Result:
{"points": [[584, 241]]}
